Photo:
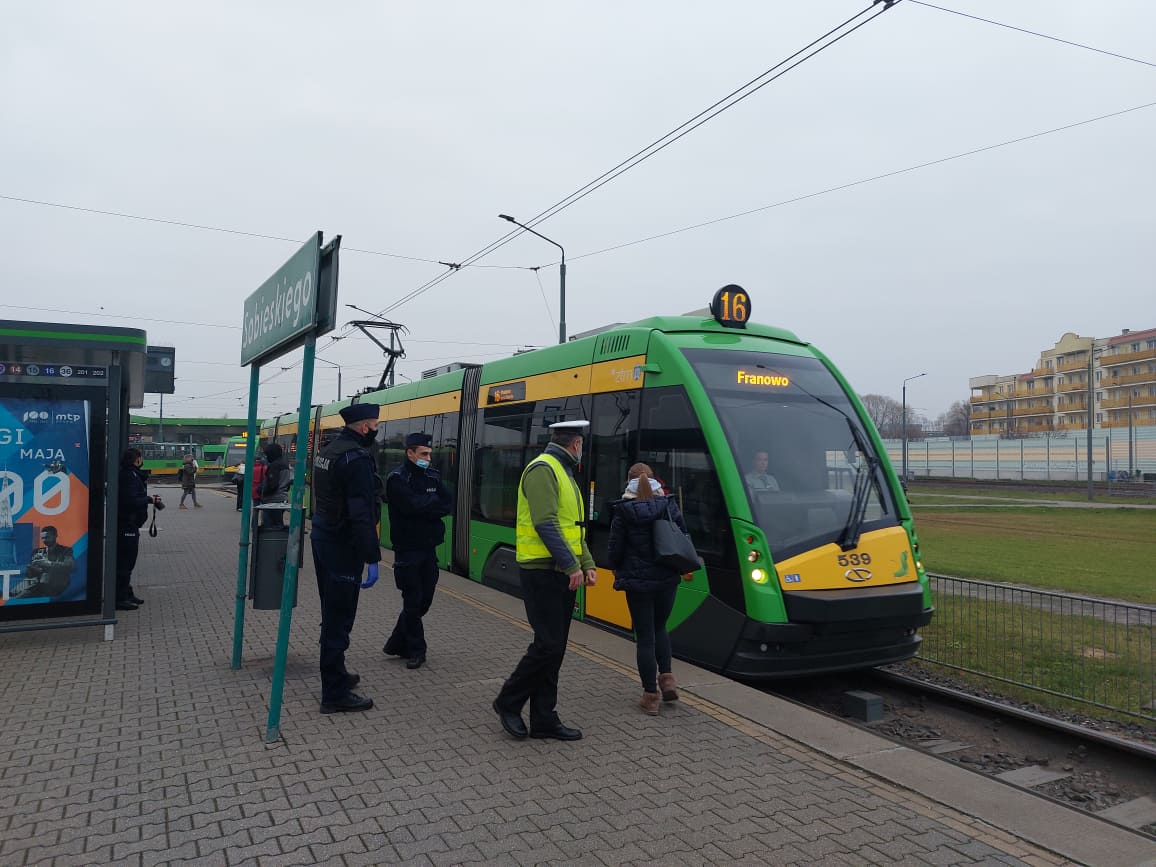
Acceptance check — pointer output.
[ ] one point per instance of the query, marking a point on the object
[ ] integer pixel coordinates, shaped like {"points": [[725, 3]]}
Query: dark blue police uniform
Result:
{"points": [[418, 500], [344, 538]]}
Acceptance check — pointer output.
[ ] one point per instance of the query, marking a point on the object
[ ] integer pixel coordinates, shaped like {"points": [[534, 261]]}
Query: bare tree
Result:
{"points": [[886, 412], [956, 422]]}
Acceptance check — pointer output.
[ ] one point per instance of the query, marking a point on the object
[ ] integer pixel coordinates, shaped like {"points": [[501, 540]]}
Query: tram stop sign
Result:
{"points": [[298, 300]]}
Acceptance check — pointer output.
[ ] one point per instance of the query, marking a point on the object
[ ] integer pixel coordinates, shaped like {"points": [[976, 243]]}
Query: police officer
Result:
{"points": [[418, 500], [553, 561], [344, 539]]}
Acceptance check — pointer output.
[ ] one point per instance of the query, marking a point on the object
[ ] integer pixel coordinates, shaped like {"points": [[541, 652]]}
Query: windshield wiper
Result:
{"points": [[861, 496]]}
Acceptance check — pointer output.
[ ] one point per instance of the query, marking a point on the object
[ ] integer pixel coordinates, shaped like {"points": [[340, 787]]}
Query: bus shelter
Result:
{"points": [[65, 394]]}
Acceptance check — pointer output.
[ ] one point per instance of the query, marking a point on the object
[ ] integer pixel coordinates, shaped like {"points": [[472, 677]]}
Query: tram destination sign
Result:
{"points": [[295, 301]]}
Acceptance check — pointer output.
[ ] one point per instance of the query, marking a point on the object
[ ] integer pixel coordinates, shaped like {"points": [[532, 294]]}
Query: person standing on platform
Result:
{"points": [[650, 587], [275, 485], [553, 562], [132, 512], [344, 540], [418, 500], [187, 477], [239, 481]]}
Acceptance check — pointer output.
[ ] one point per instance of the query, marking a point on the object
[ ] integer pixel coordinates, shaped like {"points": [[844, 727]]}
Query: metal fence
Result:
{"points": [[1088, 650]]}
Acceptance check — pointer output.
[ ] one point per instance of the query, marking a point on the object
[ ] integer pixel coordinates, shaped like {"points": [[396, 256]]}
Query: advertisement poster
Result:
{"points": [[44, 502]]}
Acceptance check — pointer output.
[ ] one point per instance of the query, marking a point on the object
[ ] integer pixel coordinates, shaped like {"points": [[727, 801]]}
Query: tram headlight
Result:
{"points": [[759, 576], [753, 556]]}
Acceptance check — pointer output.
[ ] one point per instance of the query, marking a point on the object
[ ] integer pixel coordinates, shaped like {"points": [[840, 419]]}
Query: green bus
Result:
{"points": [[818, 571]]}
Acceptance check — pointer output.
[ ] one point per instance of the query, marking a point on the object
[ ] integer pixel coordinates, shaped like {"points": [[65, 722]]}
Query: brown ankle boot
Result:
{"points": [[650, 703], [668, 687]]}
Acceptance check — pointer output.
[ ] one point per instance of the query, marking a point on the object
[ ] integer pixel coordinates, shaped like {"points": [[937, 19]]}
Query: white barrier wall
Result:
{"points": [[1060, 456]]}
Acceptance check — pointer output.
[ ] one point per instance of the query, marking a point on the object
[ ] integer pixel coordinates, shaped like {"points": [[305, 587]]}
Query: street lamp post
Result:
{"points": [[561, 275], [905, 420]]}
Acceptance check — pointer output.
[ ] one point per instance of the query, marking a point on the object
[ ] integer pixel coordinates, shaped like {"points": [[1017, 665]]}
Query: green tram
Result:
{"points": [[817, 570], [164, 459]]}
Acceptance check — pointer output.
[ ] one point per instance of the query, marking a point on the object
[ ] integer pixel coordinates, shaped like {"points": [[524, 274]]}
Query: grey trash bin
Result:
{"points": [[267, 564]]}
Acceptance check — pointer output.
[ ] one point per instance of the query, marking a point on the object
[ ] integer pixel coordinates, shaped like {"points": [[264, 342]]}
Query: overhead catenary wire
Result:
{"points": [[1033, 33], [710, 112], [868, 180]]}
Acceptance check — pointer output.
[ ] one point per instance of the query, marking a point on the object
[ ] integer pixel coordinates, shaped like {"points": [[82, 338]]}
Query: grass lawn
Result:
{"points": [[1097, 552], [1090, 659]]}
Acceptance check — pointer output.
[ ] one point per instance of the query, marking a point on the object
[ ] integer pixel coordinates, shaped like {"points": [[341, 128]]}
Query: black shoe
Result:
{"points": [[351, 701], [393, 650], [558, 733], [511, 722], [352, 679], [415, 661], [126, 605], [136, 600]]}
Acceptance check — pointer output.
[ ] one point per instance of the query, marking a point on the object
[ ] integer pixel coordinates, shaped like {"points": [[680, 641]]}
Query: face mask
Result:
{"points": [[368, 438], [578, 457], [422, 462]]}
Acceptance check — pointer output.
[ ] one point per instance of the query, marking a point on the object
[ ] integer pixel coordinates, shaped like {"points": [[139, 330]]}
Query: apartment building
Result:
{"points": [[1054, 396]]}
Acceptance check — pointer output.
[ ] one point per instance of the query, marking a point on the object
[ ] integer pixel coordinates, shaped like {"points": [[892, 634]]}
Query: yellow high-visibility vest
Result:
{"points": [[529, 544]]}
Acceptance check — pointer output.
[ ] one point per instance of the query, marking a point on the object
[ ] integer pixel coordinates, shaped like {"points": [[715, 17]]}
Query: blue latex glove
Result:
{"points": [[370, 577]]}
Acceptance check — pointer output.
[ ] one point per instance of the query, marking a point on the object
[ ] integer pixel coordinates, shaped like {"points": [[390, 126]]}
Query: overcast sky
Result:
{"points": [[407, 127]]}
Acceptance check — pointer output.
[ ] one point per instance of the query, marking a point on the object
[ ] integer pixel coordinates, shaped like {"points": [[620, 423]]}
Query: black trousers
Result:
{"points": [[338, 594], [649, 612], [549, 609], [127, 548], [416, 575]]}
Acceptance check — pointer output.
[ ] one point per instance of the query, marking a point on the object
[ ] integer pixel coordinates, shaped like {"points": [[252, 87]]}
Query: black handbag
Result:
{"points": [[672, 547]]}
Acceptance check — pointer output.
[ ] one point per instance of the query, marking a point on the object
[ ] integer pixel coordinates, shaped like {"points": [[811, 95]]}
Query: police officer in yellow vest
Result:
{"points": [[553, 562]]}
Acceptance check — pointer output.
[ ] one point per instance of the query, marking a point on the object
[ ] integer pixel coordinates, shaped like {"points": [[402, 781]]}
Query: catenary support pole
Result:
{"points": [[246, 511]]}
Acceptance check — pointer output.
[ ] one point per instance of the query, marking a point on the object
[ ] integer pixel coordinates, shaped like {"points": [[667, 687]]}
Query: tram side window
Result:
{"points": [[502, 435], [391, 444], [508, 438], [444, 430], [611, 446], [672, 442]]}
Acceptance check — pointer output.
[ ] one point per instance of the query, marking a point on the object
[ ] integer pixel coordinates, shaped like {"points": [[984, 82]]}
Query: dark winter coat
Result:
{"points": [[277, 481], [631, 548], [418, 500], [132, 509]]}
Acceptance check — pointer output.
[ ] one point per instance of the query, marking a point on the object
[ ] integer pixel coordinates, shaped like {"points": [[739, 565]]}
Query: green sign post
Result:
{"points": [[290, 309]]}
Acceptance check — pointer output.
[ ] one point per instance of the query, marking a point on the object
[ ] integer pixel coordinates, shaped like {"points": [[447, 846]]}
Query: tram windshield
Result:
{"points": [[805, 463], [235, 454]]}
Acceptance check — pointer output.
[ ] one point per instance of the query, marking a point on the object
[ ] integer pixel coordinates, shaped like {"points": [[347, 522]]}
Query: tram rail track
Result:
{"points": [[1098, 771]]}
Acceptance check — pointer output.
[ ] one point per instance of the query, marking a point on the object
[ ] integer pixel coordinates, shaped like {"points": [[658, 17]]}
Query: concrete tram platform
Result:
{"points": [[149, 749]]}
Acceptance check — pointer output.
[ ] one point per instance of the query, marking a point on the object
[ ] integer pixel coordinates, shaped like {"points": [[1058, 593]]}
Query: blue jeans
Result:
{"points": [[649, 611]]}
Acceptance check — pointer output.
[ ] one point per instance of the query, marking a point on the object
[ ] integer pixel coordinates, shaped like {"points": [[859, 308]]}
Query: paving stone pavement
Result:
{"points": [[149, 749]]}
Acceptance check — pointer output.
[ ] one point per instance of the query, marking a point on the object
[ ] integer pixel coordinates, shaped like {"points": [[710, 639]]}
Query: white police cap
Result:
{"points": [[577, 425]]}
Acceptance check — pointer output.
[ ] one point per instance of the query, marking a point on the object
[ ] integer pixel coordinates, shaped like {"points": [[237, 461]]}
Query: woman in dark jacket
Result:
{"points": [[650, 587]]}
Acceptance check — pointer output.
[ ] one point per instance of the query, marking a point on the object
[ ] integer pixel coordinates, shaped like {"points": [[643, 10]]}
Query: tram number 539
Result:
{"points": [[863, 559]]}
